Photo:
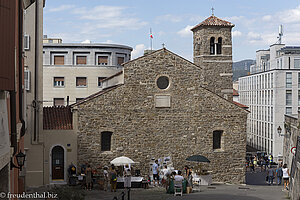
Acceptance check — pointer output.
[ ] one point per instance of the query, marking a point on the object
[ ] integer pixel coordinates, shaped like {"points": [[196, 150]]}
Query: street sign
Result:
{"points": [[293, 150]]}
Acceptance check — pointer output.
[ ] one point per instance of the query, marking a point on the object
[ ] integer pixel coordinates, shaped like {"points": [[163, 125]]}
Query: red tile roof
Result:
{"points": [[214, 21], [58, 118], [235, 93], [240, 105]]}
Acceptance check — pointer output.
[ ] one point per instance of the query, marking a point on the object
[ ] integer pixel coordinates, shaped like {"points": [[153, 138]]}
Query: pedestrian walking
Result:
{"points": [[279, 174], [286, 177], [270, 174]]}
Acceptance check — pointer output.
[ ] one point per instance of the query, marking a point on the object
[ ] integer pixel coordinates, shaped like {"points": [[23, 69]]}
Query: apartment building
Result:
{"points": [[73, 71], [271, 91]]}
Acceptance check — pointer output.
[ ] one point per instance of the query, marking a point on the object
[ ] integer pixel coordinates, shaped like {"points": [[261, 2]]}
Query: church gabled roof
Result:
{"points": [[213, 21]]}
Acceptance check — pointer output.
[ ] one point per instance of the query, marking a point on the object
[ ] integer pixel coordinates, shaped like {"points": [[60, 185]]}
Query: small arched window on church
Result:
{"points": [[212, 46], [106, 140], [217, 139], [219, 46]]}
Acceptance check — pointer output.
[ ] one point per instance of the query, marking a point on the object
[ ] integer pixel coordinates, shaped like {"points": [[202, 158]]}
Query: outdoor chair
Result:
{"points": [[178, 188]]}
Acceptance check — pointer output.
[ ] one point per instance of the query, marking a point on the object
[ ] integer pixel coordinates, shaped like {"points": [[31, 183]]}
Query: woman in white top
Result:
{"points": [[286, 176]]}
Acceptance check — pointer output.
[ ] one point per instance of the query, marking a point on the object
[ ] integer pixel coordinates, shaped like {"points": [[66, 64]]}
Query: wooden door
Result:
{"points": [[57, 163]]}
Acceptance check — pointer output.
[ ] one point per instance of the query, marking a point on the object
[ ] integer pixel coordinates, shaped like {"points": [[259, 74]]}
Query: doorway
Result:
{"points": [[57, 163]]}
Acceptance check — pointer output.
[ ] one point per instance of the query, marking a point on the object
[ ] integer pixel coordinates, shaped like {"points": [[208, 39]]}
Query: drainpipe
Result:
{"points": [[21, 92], [36, 63]]}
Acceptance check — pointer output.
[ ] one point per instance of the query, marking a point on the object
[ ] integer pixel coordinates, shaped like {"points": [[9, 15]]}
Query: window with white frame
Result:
{"points": [[100, 79], [288, 97], [297, 63], [81, 82], [58, 81], [288, 80], [26, 42], [288, 110]]}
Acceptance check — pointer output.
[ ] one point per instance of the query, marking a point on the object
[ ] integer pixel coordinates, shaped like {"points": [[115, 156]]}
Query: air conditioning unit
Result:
{"points": [[27, 79], [26, 42]]}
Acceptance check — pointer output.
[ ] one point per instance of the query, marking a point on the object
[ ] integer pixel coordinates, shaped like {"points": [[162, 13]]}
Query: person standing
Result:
{"points": [[127, 177], [166, 174], [286, 177], [89, 178], [279, 174], [155, 172], [270, 174], [105, 175], [113, 179]]}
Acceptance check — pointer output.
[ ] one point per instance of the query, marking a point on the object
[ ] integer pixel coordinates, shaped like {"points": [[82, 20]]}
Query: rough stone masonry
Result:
{"points": [[178, 121]]}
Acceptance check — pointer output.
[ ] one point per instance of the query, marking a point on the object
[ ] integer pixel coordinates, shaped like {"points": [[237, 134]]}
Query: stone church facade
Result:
{"points": [[164, 108]]}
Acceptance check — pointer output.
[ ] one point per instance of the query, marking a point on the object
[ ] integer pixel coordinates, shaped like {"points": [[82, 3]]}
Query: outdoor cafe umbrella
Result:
{"points": [[119, 161], [198, 158]]}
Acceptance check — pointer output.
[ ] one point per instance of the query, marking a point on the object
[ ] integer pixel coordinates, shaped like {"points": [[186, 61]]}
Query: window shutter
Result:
{"points": [[120, 60], [58, 78], [59, 101], [81, 81], [100, 81], [102, 60], [81, 60], [26, 42], [27, 79], [59, 60]]}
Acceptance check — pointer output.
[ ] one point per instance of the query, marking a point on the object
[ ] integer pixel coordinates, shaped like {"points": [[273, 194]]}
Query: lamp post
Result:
{"points": [[279, 129], [20, 160]]}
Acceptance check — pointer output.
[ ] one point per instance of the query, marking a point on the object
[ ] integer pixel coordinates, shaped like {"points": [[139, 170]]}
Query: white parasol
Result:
{"points": [[119, 161]]}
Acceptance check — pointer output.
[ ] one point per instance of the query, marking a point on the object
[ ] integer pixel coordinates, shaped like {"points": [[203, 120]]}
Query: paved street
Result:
{"points": [[256, 189]]}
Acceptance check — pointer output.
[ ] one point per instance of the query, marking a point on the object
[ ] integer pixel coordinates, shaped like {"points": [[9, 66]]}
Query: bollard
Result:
{"points": [[123, 195], [128, 193]]}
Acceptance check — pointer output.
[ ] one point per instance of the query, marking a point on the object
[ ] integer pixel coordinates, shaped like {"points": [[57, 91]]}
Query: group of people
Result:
{"points": [[168, 176], [282, 172], [263, 162], [111, 176]]}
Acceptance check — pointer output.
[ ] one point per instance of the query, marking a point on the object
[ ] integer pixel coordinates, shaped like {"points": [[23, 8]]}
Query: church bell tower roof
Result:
{"points": [[213, 21]]}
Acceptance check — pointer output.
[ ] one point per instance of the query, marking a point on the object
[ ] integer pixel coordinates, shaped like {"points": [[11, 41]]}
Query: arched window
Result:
{"points": [[219, 46], [217, 138], [212, 46], [105, 140]]}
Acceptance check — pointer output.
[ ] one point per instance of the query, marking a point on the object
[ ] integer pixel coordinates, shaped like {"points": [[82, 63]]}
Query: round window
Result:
{"points": [[162, 82]]}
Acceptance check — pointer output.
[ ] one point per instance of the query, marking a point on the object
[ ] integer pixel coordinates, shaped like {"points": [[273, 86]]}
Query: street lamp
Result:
{"points": [[279, 129], [20, 160]]}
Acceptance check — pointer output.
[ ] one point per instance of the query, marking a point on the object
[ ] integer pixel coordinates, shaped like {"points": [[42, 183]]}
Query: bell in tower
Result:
{"points": [[213, 53]]}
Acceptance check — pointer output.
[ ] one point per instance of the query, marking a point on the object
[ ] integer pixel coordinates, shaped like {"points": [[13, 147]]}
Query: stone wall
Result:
{"points": [[292, 133], [217, 69], [141, 131]]}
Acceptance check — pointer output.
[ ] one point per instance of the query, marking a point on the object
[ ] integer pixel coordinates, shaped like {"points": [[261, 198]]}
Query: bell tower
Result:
{"points": [[213, 53]]}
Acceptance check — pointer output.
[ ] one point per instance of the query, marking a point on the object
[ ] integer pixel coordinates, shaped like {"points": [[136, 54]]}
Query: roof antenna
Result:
{"points": [[212, 11], [280, 34]]}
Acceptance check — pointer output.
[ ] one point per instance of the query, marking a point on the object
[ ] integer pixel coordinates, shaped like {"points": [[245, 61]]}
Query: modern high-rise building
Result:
{"points": [[271, 91]]}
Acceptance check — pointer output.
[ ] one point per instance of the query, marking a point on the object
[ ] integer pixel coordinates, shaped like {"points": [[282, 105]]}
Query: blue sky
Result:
{"points": [[128, 22]]}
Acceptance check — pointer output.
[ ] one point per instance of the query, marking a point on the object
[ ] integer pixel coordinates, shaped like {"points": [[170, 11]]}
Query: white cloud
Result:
{"points": [[138, 51], [236, 33], [61, 8], [109, 41], [185, 32], [169, 18], [86, 42], [290, 16], [267, 18], [108, 17]]}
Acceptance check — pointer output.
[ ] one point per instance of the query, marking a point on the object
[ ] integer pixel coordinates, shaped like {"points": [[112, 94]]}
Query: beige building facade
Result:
{"points": [[75, 71]]}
